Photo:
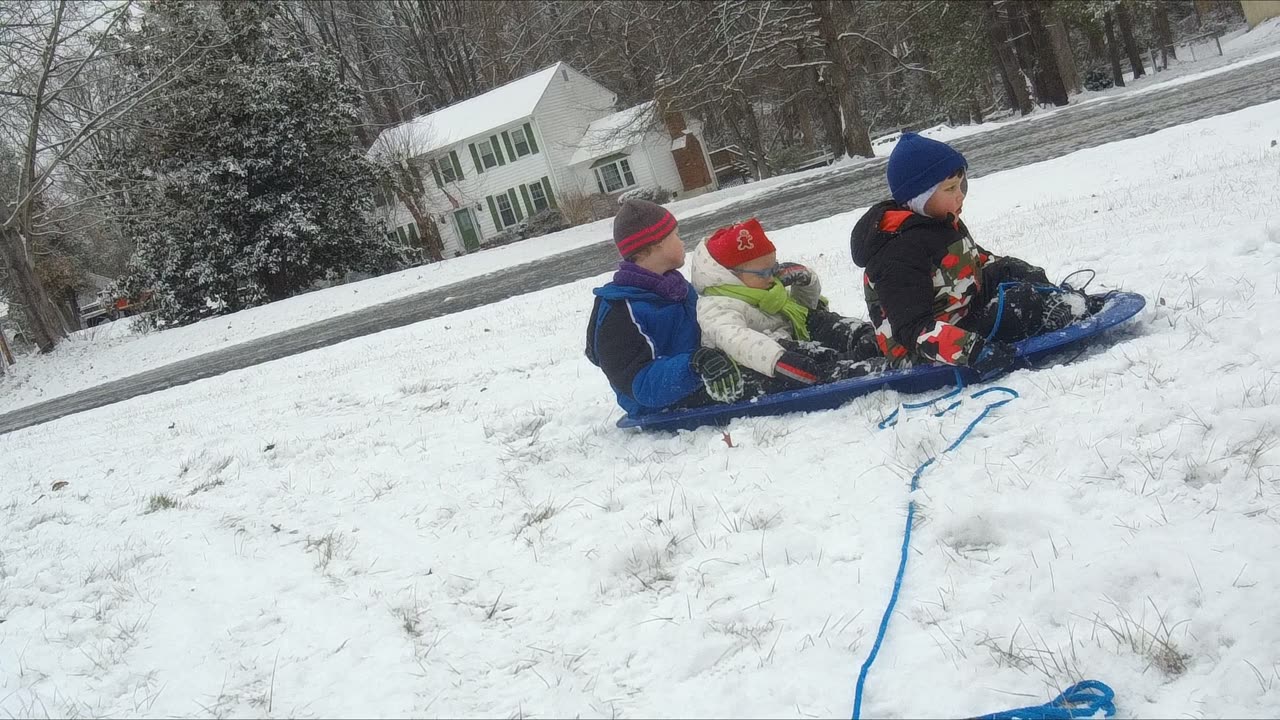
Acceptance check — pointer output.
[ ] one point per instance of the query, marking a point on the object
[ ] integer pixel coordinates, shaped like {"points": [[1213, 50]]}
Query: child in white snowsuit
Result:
{"points": [[771, 317]]}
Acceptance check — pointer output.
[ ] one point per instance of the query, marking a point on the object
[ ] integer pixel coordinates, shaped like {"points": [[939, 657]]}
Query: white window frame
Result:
{"points": [[623, 168], [517, 139], [491, 159], [538, 196], [499, 199]]}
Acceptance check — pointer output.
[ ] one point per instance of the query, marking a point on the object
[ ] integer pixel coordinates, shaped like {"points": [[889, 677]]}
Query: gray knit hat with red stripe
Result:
{"points": [[639, 223]]}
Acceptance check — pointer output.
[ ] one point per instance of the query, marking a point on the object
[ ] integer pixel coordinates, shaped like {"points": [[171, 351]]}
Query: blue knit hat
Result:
{"points": [[918, 163]]}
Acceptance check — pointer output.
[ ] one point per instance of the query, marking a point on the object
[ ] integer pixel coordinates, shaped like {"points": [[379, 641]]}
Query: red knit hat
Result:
{"points": [[737, 244], [639, 223]]}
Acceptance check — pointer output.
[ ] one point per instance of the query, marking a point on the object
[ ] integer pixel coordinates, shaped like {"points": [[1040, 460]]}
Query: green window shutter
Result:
{"points": [[497, 149], [435, 173], [511, 152], [524, 193], [546, 187], [514, 204], [475, 158], [493, 210], [533, 145], [457, 166]]}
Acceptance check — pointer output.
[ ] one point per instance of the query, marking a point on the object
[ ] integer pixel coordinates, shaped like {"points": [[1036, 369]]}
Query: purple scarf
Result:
{"points": [[670, 285]]}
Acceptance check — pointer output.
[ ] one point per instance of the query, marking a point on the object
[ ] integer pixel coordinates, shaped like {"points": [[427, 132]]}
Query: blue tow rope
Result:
{"points": [[1082, 700], [1085, 699]]}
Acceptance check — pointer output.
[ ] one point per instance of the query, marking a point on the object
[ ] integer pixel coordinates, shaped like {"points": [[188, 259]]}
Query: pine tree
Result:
{"points": [[258, 189]]}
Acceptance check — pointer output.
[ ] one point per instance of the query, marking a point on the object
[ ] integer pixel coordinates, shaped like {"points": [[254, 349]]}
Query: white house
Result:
{"points": [[499, 158]]}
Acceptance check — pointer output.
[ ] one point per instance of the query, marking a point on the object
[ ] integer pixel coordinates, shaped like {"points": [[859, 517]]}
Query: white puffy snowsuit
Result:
{"points": [[745, 333]]}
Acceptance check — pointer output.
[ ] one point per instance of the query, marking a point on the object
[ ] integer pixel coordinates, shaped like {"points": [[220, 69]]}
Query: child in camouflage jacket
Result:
{"points": [[932, 293]]}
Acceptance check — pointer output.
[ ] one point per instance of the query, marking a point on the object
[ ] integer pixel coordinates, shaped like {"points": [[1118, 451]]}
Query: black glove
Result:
{"points": [[864, 344], [719, 374], [793, 274], [852, 365], [990, 358], [804, 370]]}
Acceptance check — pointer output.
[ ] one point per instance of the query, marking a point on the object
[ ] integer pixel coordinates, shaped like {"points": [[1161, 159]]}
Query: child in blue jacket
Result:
{"points": [[643, 331]]}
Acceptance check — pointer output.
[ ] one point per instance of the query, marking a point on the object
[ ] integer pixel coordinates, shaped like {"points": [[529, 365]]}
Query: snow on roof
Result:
{"points": [[500, 106], [614, 133]]}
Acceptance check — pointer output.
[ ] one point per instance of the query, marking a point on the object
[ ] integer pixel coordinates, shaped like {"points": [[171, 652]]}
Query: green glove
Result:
{"points": [[720, 375]]}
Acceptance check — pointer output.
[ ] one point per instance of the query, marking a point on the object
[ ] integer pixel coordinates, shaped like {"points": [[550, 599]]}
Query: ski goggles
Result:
{"points": [[766, 274]]}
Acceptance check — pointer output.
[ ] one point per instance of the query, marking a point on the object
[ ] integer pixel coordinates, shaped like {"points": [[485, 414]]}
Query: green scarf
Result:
{"points": [[776, 301]]}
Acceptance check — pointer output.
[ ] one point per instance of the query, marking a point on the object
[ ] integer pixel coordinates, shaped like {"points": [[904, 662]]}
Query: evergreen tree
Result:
{"points": [[258, 189]]}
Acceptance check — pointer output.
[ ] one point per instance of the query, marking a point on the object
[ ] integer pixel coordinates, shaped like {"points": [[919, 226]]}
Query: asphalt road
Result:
{"points": [[1043, 138]]}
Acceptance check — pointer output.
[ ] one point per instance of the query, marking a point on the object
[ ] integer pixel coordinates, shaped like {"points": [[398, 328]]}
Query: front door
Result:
{"points": [[467, 229]]}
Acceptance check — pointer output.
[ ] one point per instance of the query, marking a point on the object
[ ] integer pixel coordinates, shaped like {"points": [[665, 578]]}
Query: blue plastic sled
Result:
{"points": [[1119, 308]]}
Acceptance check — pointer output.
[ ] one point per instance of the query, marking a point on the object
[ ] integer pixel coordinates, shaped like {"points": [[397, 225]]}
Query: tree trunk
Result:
{"points": [[975, 110], [42, 315], [6, 354], [1010, 73], [1052, 83], [828, 107], [753, 138], [1164, 31], [1097, 43], [857, 140], [1113, 49], [1060, 37], [428, 233], [1020, 37], [1125, 21], [71, 311]]}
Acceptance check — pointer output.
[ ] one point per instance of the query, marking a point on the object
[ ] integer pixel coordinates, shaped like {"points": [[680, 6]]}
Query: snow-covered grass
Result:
{"points": [[117, 350], [442, 520]]}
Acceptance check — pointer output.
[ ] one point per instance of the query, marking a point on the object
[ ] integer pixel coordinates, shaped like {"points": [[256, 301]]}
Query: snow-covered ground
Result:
{"points": [[113, 351], [442, 520]]}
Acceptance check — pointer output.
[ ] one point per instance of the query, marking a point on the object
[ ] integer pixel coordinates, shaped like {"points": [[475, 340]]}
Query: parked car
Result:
{"points": [[104, 308]]}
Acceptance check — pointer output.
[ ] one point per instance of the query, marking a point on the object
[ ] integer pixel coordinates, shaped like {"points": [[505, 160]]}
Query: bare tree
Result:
{"points": [[1015, 84], [856, 139], [1060, 38], [1164, 31], [1113, 48], [50, 49], [1124, 19], [1051, 86]]}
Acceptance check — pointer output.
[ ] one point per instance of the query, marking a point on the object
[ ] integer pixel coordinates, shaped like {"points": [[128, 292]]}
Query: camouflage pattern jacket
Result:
{"points": [[922, 277]]}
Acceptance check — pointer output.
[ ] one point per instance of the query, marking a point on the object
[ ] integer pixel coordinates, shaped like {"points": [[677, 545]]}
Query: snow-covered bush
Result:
{"points": [[506, 237], [579, 208], [259, 191], [652, 193], [547, 221], [1098, 79]]}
